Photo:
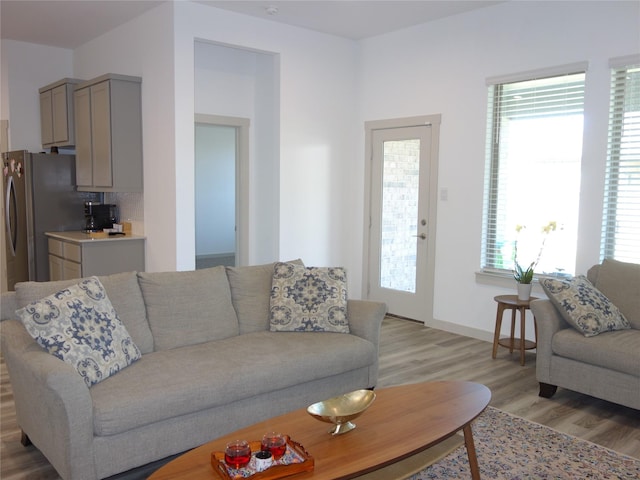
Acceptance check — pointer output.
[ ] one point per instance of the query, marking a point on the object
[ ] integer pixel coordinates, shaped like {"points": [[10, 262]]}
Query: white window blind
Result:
{"points": [[621, 216], [534, 149]]}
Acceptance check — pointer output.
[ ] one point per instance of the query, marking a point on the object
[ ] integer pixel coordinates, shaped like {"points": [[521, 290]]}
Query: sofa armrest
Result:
{"points": [[365, 319], [549, 321], [53, 404]]}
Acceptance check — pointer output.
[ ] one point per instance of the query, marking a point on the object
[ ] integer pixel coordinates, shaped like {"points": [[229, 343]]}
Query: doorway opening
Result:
{"points": [[221, 190]]}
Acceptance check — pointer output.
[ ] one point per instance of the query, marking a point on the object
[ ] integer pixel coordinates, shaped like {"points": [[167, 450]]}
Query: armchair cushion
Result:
{"points": [[615, 350], [583, 306], [620, 282]]}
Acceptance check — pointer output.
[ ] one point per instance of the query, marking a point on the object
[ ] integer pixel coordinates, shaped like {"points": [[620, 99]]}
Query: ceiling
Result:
{"points": [[352, 19], [71, 23], [66, 23]]}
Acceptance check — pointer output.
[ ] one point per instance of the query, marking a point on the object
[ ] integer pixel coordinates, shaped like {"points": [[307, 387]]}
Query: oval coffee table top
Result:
{"points": [[402, 421]]}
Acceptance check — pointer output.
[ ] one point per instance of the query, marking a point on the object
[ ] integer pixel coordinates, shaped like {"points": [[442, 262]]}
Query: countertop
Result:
{"points": [[81, 237]]}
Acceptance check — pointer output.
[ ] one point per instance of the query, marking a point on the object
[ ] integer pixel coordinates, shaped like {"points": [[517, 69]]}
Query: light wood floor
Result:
{"points": [[410, 352]]}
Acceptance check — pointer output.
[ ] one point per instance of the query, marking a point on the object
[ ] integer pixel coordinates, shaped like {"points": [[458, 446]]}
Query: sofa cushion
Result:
{"points": [[185, 308], [210, 374], [123, 291], [583, 306], [620, 282], [308, 299], [614, 350], [250, 293], [80, 326]]}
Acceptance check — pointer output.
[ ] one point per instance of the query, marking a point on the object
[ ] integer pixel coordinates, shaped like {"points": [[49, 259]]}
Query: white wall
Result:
{"points": [[441, 68], [317, 126], [325, 88], [242, 83], [225, 80], [264, 175], [25, 68], [144, 47]]}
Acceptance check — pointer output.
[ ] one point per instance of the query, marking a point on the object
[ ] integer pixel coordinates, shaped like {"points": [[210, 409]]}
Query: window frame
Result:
{"points": [[491, 207], [621, 93]]}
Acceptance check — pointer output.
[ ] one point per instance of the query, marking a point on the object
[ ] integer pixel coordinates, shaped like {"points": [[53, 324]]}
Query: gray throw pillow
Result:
{"points": [[80, 326], [583, 306], [308, 299]]}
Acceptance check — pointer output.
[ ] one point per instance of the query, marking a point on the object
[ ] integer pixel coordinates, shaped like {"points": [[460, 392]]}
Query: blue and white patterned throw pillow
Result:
{"points": [[80, 326], [308, 299], [583, 306]]}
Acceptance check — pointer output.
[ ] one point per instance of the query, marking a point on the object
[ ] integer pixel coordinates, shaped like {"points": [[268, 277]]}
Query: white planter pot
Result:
{"points": [[524, 291]]}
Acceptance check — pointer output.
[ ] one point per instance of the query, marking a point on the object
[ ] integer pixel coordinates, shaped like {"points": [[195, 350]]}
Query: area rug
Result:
{"points": [[512, 448]]}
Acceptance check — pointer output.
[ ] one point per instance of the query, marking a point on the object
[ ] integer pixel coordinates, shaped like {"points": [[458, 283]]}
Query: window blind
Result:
{"points": [[621, 215], [534, 144]]}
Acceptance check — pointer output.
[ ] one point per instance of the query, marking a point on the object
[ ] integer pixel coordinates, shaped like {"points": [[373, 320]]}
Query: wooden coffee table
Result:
{"points": [[401, 422]]}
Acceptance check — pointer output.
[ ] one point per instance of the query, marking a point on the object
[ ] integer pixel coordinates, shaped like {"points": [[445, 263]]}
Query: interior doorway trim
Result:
{"points": [[242, 178]]}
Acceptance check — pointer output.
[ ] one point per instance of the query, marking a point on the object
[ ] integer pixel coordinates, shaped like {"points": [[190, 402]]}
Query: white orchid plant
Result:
{"points": [[525, 275]]}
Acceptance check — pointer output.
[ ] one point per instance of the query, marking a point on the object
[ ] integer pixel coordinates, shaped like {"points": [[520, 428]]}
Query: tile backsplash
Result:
{"points": [[131, 208]]}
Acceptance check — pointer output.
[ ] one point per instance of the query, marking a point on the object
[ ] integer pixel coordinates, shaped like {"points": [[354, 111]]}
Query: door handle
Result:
{"points": [[423, 236], [11, 206]]}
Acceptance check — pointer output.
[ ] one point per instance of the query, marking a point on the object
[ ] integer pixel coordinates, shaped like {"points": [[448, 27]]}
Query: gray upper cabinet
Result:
{"points": [[109, 134], [56, 113]]}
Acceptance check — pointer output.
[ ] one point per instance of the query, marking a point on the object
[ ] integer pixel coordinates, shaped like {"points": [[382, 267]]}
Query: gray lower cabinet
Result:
{"points": [[70, 259], [108, 119]]}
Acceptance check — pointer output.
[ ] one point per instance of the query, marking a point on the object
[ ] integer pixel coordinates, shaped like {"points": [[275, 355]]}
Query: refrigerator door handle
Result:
{"points": [[11, 206]]}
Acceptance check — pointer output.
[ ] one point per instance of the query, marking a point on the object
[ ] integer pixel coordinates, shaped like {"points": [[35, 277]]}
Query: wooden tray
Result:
{"points": [[305, 464]]}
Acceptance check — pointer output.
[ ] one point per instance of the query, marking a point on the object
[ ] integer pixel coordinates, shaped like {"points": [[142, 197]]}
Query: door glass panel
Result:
{"points": [[400, 181]]}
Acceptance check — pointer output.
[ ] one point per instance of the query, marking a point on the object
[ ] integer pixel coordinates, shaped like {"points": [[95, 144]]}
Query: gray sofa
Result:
{"points": [[606, 365], [187, 388]]}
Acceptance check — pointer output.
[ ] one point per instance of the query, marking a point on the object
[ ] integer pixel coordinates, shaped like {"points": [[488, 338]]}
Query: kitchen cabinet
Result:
{"points": [[77, 255], [108, 117], [55, 268], [64, 260], [57, 127]]}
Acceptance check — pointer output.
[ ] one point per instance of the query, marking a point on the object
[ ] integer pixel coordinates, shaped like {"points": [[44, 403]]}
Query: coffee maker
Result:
{"points": [[99, 216]]}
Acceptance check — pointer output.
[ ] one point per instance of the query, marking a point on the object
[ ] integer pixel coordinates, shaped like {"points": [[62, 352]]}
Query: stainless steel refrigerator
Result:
{"points": [[39, 196]]}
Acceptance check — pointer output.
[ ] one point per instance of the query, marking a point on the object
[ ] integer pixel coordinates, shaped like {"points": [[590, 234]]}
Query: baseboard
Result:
{"points": [[210, 256], [461, 330]]}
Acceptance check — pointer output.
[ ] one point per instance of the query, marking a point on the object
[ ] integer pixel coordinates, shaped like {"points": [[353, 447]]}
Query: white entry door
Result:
{"points": [[402, 217]]}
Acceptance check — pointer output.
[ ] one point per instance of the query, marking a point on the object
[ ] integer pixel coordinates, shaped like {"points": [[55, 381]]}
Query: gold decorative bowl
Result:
{"points": [[342, 409]]}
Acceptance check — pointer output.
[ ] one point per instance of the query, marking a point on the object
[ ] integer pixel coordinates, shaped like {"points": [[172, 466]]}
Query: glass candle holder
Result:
{"points": [[275, 443], [237, 454]]}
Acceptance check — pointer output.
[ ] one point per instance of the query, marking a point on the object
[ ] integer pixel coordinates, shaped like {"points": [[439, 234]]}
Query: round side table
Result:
{"points": [[511, 302]]}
